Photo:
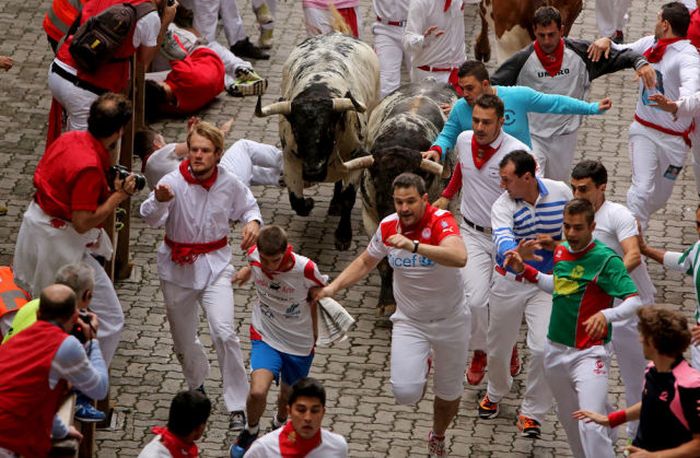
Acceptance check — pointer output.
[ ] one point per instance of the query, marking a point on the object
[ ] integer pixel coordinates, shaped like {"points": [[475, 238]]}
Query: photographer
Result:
{"points": [[38, 364], [72, 200]]}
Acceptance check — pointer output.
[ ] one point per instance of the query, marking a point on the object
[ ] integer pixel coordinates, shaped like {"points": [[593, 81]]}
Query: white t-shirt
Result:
{"points": [[147, 30], [332, 446], [447, 50], [282, 315], [160, 163], [155, 449], [614, 223], [424, 290]]}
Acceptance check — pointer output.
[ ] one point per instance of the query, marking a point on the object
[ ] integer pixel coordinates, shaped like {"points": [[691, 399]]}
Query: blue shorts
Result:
{"points": [[291, 367]]}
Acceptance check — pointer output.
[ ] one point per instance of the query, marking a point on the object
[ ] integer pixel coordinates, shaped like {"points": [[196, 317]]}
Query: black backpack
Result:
{"points": [[95, 42]]}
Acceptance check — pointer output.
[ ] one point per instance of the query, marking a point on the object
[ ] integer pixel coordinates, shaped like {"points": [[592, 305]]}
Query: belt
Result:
{"points": [[685, 135], [77, 82], [187, 253], [476, 227], [428, 68], [394, 23]]}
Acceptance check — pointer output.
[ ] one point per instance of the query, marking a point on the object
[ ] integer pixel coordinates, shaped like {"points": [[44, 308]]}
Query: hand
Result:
{"points": [[168, 13], [74, 433], [163, 193], [310, 296], [588, 417], [242, 276], [433, 29], [431, 155], [400, 241], [6, 62], [664, 103], [249, 234], [596, 326], [125, 187], [527, 247], [695, 335], [636, 452], [319, 293], [446, 109], [514, 261], [605, 104], [192, 122], [599, 48], [89, 327], [441, 203], [546, 242], [225, 128], [648, 76]]}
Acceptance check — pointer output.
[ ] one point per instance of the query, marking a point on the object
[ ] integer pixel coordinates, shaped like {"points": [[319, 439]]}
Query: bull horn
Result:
{"points": [[348, 102], [359, 163], [431, 166], [283, 108]]}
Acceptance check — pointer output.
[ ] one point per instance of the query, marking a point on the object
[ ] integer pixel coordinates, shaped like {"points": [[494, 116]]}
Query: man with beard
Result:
{"points": [[195, 204], [426, 252]]}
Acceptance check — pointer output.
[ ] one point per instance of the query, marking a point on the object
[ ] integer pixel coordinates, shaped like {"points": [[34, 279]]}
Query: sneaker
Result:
{"points": [[200, 388], [488, 409], [247, 83], [245, 49], [237, 421], [477, 368], [266, 40], [618, 37], [85, 412], [245, 439], [436, 446], [515, 366], [171, 49], [263, 14], [529, 427]]}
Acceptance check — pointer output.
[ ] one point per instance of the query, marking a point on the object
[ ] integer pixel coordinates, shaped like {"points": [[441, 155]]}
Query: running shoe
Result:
{"points": [[515, 365], [247, 83], [436, 446], [529, 427], [488, 409], [236, 421], [477, 368]]}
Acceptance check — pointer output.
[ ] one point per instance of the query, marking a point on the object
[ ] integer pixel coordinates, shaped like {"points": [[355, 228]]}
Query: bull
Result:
{"points": [[511, 21], [405, 123], [329, 85]]}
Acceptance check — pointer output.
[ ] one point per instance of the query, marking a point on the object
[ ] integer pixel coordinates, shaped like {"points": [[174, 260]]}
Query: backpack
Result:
{"points": [[98, 39]]}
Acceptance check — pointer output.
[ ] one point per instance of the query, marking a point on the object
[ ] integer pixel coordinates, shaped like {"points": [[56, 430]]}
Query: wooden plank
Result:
{"points": [[65, 447]]}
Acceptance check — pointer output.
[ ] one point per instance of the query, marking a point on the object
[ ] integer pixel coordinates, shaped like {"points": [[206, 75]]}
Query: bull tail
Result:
{"points": [[338, 23]]}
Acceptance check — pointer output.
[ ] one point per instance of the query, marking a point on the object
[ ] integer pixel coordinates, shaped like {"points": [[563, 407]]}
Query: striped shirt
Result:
{"points": [[687, 262], [513, 220]]}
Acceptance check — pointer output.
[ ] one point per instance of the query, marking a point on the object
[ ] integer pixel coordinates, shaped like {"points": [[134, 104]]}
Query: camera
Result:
{"points": [[122, 172], [77, 331]]}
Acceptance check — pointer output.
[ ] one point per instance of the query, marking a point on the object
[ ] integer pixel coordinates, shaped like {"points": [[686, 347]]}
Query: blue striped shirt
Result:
{"points": [[513, 220]]}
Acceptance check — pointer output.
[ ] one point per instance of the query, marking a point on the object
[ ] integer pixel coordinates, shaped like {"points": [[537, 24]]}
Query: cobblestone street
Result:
{"points": [[145, 373]]}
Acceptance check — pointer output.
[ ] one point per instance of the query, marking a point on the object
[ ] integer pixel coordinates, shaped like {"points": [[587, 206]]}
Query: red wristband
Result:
{"points": [[617, 418], [530, 273]]}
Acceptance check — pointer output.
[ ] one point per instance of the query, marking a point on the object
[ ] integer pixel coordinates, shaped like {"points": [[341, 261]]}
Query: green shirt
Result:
{"points": [[687, 262], [585, 283]]}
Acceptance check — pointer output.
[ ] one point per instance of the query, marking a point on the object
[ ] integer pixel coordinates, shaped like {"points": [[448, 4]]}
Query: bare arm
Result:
{"points": [[84, 220], [357, 269], [688, 450], [631, 254]]}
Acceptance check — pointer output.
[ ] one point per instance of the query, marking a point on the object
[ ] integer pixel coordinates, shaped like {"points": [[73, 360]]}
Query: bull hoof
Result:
{"points": [[482, 55], [303, 206], [342, 245], [334, 209]]}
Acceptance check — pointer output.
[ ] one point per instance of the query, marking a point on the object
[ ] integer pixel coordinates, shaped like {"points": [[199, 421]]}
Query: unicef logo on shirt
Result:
{"points": [[413, 260], [508, 117]]}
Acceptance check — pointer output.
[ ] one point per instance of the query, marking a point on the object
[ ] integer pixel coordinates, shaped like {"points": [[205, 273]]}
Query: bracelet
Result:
{"points": [[617, 418]]}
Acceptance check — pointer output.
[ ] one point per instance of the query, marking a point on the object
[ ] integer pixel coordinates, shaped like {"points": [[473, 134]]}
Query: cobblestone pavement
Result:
{"points": [[145, 374]]}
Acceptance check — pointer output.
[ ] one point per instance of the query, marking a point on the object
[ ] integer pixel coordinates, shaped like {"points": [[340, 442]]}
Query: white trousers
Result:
{"points": [[206, 16], [610, 15], [108, 309], [555, 155], [183, 316], [418, 75], [478, 278], [579, 380], [75, 101], [657, 160], [230, 60], [387, 45], [318, 21], [508, 303], [411, 345], [255, 164]]}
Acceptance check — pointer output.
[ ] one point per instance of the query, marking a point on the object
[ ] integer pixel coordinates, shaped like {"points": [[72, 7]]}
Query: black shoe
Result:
{"points": [[200, 388], [245, 439], [244, 48], [236, 421]]}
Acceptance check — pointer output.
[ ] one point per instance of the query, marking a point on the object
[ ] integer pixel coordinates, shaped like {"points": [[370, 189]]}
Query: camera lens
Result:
{"points": [[140, 181]]}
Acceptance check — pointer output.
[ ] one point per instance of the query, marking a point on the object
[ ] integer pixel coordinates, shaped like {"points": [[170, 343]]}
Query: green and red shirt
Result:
{"points": [[585, 283]]}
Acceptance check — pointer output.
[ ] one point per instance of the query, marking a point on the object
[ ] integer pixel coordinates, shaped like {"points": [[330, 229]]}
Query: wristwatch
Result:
{"points": [[415, 246]]}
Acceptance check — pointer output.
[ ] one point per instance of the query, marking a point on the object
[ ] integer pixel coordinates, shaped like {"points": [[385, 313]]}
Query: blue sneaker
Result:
{"points": [[85, 412]]}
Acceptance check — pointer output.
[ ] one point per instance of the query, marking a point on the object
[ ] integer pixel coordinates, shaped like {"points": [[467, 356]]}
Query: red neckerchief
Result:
{"points": [[191, 179], [448, 3], [429, 210], [288, 256], [176, 446], [656, 52], [487, 152], [551, 62], [292, 445]]}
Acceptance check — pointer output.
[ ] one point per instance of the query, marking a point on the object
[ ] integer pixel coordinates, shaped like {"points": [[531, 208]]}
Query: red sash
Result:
{"points": [[685, 135], [187, 253]]}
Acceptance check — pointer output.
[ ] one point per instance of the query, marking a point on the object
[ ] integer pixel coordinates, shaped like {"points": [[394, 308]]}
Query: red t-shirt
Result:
{"points": [[196, 80], [694, 28], [72, 175]]}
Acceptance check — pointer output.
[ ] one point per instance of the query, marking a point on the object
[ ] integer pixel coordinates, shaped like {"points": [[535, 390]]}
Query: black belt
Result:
{"points": [[476, 227], [68, 76]]}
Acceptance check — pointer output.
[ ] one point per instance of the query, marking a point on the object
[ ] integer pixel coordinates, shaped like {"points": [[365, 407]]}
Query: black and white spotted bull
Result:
{"points": [[405, 123], [329, 84]]}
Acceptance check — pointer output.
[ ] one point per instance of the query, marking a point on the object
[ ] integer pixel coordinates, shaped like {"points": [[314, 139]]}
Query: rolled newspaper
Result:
{"points": [[334, 322]]}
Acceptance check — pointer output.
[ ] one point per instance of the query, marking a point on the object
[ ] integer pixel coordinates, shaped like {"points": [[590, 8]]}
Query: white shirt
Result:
{"points": [[282, 314], [391, 10], [689, 106], [424, 290], [160, 163], [481, 187], [196, 215], [677, 74], [147, 30], [447, 50], [155, 449], [614, 223], [332, 446]]}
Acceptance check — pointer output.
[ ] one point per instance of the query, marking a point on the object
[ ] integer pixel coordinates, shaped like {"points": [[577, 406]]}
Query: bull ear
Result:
{"points": [[363, 162], [283, 108], [348, 103], [431, 166]]}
